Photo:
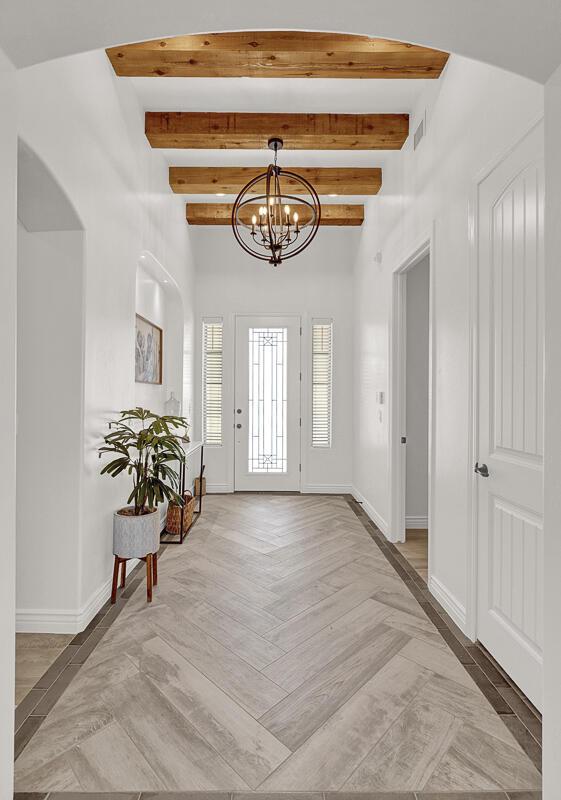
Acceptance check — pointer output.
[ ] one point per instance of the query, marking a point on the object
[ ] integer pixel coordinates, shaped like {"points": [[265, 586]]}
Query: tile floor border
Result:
{"points": [[486, 795], [513, 707], [33, 709], [516, 711]]}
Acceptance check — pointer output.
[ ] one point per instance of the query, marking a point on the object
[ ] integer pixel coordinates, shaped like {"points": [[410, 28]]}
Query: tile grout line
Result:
{"points": [[387, 547], [99, 616]]}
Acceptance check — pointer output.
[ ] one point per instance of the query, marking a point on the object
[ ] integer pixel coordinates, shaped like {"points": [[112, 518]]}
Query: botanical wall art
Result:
{"points": [[148, 352]]}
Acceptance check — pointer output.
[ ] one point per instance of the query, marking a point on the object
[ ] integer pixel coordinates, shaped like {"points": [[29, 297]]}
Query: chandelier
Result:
{"points": [[276, 225]]}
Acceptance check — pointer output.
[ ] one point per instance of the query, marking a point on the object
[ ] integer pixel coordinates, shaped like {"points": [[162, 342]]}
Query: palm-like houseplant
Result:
{"points": [[145, 446]]}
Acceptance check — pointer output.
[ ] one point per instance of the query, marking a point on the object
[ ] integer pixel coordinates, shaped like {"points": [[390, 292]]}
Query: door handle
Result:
{"points": [[481, 469]]}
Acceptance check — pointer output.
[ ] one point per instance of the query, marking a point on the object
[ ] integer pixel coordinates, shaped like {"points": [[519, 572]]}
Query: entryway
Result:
{"points": [[267, 414], [411, 412]]}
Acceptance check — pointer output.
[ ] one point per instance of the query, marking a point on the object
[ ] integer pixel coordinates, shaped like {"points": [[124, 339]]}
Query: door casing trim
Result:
{"points": [[397, 382]]}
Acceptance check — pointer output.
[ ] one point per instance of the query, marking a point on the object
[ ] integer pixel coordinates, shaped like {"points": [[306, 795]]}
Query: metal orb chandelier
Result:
{"points": [[276, 225]]}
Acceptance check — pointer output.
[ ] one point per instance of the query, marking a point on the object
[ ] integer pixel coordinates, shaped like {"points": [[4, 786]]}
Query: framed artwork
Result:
{"points": [[148, 352]]}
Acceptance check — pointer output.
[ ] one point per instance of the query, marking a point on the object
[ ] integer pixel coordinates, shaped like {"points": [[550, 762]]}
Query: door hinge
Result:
{"points": [[300, 421], [299, 467], [404, 440], [300, 376]]}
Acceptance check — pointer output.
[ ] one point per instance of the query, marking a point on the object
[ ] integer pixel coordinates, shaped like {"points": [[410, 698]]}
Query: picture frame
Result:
{"points": [[148, 351]]}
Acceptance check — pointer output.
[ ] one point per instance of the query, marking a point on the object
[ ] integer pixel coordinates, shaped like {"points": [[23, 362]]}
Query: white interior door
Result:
{"points": [[267, 404], [510, 448]]}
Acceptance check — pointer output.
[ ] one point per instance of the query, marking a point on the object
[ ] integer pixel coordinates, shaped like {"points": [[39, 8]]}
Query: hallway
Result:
{"points": [[283, 651]]}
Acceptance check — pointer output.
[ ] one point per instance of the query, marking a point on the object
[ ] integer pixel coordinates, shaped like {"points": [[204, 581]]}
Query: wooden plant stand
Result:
{"points": [[151, 561]]}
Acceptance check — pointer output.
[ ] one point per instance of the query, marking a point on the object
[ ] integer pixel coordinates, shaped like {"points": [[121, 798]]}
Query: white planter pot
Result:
{"points": [[135, 537]]}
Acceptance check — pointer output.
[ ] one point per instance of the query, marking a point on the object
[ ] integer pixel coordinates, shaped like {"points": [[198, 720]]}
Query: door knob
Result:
{"points": [[239, 425], [482, 469]]}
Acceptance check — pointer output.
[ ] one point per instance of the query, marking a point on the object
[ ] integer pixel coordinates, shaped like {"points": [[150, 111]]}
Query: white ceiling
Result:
{"points": [[519, 35], [305, 95]]}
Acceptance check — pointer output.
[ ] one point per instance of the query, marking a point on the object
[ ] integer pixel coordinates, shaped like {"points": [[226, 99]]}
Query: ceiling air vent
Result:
{"points": [[419, 133]]}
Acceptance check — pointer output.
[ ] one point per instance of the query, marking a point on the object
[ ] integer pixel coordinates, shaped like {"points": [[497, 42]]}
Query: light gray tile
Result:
{"points": [[299, 628], [408, 753], [327, 759], [56, 776], [243, 641], [110, 761], [331, 642], [253, 691], [177, 753], [242, 741], [294, 719], [476, 760]]}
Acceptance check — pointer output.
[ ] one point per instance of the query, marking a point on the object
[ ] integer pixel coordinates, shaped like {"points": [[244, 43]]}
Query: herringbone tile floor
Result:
{"points": [[282, 652]]}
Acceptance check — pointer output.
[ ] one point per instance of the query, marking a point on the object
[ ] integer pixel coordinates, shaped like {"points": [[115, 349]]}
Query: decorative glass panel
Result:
{"points": [[267, 445]]}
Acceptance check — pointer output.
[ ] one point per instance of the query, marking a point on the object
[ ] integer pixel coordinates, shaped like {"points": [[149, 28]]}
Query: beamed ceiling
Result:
{"points": [[342, 111]]}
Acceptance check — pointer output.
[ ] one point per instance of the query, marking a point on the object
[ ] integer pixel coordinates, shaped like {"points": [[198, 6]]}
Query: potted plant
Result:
{"points": [[145, 445]]}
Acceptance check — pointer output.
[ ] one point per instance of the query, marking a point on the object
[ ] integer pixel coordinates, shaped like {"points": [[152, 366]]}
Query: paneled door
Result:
{"points": [[267, 404], [510, 447]]}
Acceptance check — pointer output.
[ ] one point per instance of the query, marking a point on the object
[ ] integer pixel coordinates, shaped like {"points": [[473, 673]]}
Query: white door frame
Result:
{"points": [[473, 408], [397, 384], [292, 315]]}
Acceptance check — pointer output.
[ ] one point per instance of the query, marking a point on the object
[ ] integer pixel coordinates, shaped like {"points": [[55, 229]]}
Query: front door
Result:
{"points": [[510, 446], [267, 404]]}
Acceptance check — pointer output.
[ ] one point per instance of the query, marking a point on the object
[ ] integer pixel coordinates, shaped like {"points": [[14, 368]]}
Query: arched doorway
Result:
{"points": [[49, 398]]}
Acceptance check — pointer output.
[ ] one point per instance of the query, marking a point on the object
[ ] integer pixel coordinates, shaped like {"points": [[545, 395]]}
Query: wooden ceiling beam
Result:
{"points": [[276, 54], [216, 130], [231, 180], [343, 215]]}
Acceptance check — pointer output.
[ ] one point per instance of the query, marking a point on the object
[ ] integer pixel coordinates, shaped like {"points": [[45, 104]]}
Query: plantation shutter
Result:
{"points": [[322, 368], [212, 381]]}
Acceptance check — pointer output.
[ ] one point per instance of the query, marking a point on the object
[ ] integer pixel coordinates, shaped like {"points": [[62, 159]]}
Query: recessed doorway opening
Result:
{"points": [[411, 409]]}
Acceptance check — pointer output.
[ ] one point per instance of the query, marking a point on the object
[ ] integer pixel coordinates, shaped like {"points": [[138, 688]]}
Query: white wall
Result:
{"points": [[161, 304], [417, 394], [88, 129], [8, 305], [318, 283], [49, 408], [473, 114]]}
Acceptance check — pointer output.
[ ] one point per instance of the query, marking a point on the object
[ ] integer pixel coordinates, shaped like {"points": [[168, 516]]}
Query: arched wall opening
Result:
{"points": [[50, 377]]}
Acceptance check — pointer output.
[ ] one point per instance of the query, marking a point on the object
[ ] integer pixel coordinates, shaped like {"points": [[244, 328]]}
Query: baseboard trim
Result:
{"points": [[326, 488], [219, 488], [376, 518], [54, 620], [449, 602], [417, 522]]}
